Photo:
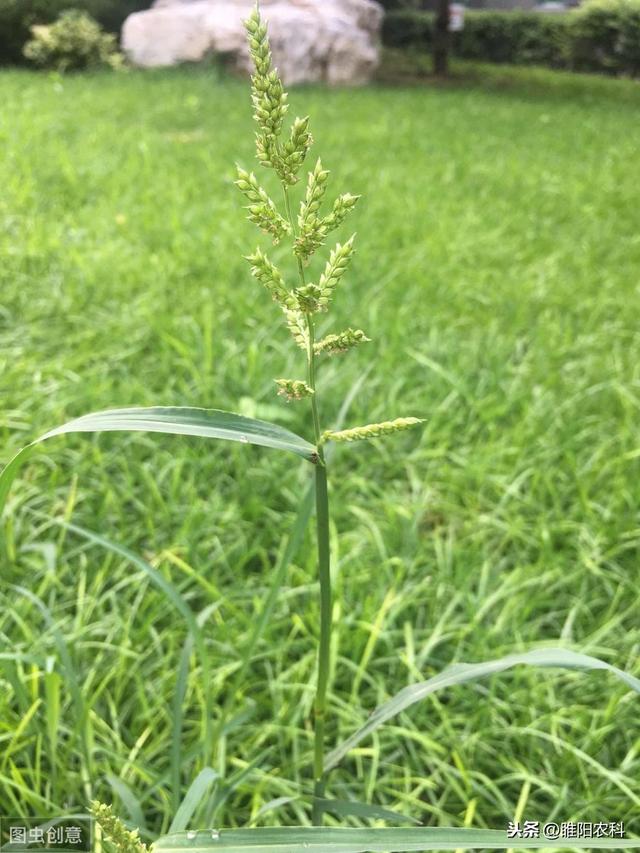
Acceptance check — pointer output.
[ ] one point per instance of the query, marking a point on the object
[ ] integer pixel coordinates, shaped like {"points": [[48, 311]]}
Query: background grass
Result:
{"points": [[497, 274]]}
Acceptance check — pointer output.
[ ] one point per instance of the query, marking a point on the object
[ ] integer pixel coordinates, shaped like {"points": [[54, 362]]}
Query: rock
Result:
{"points": [[332, 41]]}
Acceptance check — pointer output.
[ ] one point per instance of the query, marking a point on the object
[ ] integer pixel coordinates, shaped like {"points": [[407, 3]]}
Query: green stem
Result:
{"points": [[324, 575], [320, 705], [324, 564]]}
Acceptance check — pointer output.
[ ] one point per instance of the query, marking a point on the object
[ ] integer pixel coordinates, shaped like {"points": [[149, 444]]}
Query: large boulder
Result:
{"points": [[332, 41]]}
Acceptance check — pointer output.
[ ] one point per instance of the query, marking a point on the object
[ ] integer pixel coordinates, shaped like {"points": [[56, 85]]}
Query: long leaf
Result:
{"points": [[174, 597], [305, 839], [351, 808], [196, 794], [129, 800], [458, 674], [204, 423]]}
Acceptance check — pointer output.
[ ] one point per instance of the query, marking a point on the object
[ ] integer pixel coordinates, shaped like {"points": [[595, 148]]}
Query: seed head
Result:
{"points": [[342, 206], [309, 297], [125, 841], [295, 150], [270, 276], [312, 232], [293, 389], [335, 269], [371, 430], [262, 210], [267, 93], [316, 188], [341, 342], [298, 327], [313, 227]]}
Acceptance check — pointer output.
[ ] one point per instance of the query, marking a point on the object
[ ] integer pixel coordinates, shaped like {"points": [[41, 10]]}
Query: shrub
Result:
{"points": [[74, 42], [517, 37], [18, 16], [521, 38], [605, 36], [394, 5], [16, 19], [406, 28]]}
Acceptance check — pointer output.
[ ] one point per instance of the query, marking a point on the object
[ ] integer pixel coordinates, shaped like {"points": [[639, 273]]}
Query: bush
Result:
{"points": [[407, 29], [73, 43], [605, 36], [395, 5], [18, 16], [16, 19], [519, 38]]}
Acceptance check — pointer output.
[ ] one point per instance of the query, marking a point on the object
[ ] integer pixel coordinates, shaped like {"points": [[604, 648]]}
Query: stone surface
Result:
{"points": [[332, 41]]}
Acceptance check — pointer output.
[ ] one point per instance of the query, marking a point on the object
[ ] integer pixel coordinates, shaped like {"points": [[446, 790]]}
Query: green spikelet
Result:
{"points": [[308, 298], [316, 188], [295, 150], [371, 430], [334, 270], [123, 839], [267, 93], [270, 276], [342, 342], [312, 231], [293, 389], [342, 206], [298, 327], [262, 210]]}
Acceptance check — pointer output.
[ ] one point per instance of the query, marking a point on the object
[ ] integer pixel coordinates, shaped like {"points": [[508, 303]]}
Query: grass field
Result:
{"points": [[497, 275]]}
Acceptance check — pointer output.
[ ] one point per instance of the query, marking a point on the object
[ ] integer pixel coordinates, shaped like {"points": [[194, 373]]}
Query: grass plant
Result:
{"points": [[505, 525]]}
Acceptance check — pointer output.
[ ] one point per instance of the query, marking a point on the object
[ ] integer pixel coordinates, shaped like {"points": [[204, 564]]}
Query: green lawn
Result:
{"points": [[497, 274]]}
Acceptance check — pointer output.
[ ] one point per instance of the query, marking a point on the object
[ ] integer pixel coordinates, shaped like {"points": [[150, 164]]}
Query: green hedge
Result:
{"points": [[395, 5], [519, 38], [605, 36], [17, 16], [602, 35]]}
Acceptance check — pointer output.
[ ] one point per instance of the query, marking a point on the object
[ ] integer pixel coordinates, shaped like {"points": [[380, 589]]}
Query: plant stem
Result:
{"points": [[324, 575], [324, 564], [320, 705]]}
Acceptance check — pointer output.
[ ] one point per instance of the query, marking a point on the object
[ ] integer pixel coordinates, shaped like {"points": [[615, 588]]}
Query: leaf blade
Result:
{"points": [[326, 839], [462, 672], [352, 808], [196, 794], [202, 423], [186, 420]]}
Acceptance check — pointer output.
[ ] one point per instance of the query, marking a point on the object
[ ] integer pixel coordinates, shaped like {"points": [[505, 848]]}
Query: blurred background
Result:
{"points": [[597, 35]]}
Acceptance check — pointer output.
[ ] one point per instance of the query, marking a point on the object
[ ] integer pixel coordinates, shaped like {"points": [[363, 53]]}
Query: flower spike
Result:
{"points": [[371, 430]]}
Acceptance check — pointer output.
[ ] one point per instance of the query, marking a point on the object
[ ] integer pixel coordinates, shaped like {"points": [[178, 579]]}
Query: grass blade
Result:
{"points": [[292, 547], [174, 597], [297, 839], [203, 423], [462, 672], [177, 719], [82, 723], [198, 790], [52, 684], [129, 801], [351, 808], [272, 805]]}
